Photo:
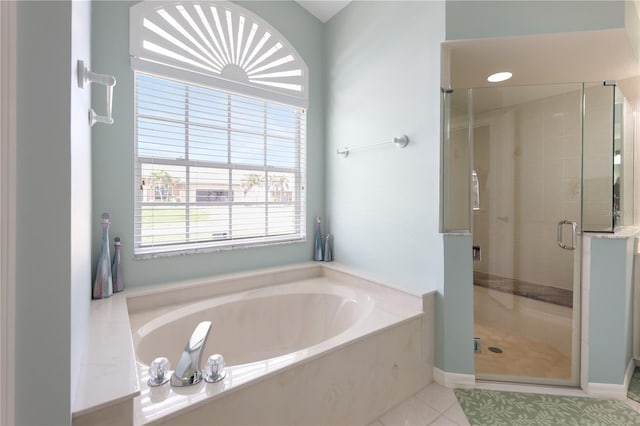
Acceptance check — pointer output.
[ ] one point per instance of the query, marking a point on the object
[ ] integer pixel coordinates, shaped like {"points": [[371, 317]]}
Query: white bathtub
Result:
{"points": [[294, 346], [258, 325]]}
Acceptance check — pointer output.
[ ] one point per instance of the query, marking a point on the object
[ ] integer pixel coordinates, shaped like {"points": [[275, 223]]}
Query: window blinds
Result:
{"points": [[215, 169]]}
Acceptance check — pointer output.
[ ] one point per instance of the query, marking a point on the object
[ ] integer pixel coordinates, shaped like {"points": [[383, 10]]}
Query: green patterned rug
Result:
{"points": [[485, 407], [634, 387]]}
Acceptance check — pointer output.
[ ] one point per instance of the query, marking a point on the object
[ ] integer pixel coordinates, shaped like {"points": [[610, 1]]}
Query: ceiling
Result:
{"points": [[534, 60], [323, 9], [543, 59], [546, 59]]}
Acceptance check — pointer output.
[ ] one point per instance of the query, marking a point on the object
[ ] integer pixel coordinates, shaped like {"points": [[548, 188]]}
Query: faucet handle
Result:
{"points": [[159, 372], [214, 371]]}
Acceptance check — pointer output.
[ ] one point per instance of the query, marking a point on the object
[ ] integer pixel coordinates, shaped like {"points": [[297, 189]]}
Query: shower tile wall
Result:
{"points": [[529, 180]]}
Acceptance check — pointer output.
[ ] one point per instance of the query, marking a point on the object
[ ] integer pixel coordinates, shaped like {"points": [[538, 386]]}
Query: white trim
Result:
{"points": [[202, 79], [199, 57], [631, 367], [453, 380], [612, 391], [636, 158], [8, 17], [585, 292], [606, 391]]}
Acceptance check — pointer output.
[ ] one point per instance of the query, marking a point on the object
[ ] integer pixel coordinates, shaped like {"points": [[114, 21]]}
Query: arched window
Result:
{"points": [[220, 124]]}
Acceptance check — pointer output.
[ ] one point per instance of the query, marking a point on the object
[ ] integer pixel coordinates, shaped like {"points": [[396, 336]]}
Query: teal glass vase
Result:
{"points": [[103, 285]]}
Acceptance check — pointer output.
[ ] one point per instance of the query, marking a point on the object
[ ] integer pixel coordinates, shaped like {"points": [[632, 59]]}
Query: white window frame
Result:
{"points": [[144, 60], [276, 85], [217, 243]]}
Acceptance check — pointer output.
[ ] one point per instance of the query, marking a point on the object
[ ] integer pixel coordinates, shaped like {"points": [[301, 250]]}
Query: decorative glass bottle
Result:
{"points": [[116, 267], [328, 256], [102, 285], [317, 247]]}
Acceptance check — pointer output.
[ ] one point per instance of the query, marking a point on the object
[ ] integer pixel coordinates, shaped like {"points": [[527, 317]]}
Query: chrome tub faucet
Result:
{"points": [[188, 371]]}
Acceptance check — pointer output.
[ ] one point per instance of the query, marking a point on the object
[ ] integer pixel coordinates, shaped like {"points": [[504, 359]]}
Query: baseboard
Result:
{"points": [[453, 380], [612, 391], [606, 391], [631, 367], [594, 390]]}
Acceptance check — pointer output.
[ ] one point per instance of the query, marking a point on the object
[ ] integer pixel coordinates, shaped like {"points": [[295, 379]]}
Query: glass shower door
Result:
{"points": [[526, 164]]}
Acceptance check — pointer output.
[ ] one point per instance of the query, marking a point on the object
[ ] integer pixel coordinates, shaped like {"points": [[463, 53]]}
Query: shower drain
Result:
{"points": [[495, 349]]}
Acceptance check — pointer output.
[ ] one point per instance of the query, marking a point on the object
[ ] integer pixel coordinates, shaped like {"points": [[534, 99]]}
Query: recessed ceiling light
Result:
{"points": [[499, 76]]}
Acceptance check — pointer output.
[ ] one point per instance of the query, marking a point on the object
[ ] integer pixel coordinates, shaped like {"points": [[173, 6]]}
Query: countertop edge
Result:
{"points": [[108, 372]]}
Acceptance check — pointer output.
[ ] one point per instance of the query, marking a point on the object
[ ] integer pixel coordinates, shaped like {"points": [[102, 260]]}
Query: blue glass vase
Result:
{"points": [[102, 285], [116, 267]]}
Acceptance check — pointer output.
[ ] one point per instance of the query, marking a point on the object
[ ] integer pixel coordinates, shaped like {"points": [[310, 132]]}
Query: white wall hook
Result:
{"points": [[86, 77]]}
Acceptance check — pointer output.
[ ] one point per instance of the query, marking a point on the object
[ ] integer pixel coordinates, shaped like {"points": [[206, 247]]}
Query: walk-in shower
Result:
{"points": [[527, 170]]}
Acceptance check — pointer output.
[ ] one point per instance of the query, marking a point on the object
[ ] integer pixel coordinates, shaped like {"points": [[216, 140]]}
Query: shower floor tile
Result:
{"points": [[520, 356]]}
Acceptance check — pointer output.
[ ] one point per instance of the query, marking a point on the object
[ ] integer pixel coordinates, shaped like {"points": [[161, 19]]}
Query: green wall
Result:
{"points": [[113, 147], [610, 309], [53, 202], [383, 81], [454, 308], [467, 19]]}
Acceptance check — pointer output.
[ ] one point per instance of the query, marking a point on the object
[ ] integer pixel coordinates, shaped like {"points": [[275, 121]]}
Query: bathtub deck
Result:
{"points": [[108, 378], [392, 310]]}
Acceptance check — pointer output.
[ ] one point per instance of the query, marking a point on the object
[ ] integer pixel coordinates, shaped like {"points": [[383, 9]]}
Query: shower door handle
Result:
{"points": [[574, 234]]}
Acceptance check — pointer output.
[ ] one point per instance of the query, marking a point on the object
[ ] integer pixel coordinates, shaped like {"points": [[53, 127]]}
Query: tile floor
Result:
{"points": [[435, 405]]}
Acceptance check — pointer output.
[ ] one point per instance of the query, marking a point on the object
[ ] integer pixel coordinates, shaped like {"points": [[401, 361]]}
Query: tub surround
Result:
{"points": [[400, 357], [172, 295], [351, 385], [288, 380], [108, 378]]}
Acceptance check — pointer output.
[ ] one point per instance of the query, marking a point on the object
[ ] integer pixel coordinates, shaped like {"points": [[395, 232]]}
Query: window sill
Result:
{"points": [[184, 250]]}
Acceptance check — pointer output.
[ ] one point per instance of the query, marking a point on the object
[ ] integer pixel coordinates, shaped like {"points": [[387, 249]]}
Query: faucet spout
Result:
{"points": [[187, 371]]}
